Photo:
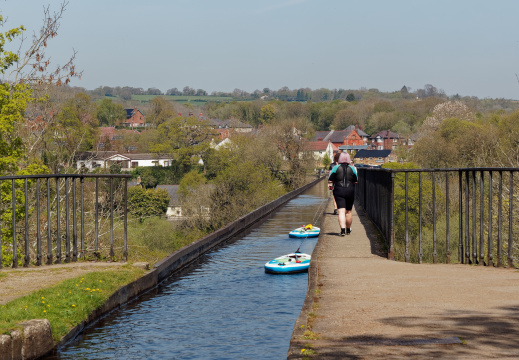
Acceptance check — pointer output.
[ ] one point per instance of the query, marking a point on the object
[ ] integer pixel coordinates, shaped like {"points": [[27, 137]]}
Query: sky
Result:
{"points": [[465, 47]]}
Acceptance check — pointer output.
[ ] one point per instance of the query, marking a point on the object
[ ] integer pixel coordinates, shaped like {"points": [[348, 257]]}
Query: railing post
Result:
{"points": [[467, 218], [27, 259], [481, 219], [67, 223], [112, 254], [435, 252], [74, 220], [448, 235], [510, 221], [13, 209], [58, 225], [49, 232], [420, 249], [474, 240], [38, 230], [490, 241], [500, 222], [406, 220], [82, 251], [125, 253], [460, 230], [96, 218], [391, 252]]}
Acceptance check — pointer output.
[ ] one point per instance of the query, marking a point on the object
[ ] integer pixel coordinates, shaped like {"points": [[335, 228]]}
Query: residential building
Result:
{"points": [[134, 118], [104, 159], [385, 140], [374, 157], [320, 148], [174, 209]]}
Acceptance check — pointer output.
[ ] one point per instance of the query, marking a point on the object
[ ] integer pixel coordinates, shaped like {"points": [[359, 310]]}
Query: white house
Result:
{"points": [[104, 159], [320, 148]]}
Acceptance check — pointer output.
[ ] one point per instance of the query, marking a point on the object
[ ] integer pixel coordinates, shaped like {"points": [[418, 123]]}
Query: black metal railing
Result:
{"points": [[416, 211], [59, 217]]}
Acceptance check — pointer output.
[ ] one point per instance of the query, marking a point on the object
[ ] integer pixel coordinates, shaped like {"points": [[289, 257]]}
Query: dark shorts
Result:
{"points": [[344, 197]]}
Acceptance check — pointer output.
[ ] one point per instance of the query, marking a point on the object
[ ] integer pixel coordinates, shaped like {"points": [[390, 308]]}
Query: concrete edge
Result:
{"points": [[301, 324], [167, 266]]}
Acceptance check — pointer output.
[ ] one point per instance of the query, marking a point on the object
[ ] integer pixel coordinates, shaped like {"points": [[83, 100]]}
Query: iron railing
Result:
{"points": [[39, 216], [416, 212]]}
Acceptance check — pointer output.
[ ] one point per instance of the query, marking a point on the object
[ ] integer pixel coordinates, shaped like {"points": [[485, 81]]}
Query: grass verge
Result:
{"points": [[69, 303]]}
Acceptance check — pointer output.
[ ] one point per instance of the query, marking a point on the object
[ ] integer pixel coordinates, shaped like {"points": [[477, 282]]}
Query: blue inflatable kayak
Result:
{"points": [[288, 264], [305, 231]]}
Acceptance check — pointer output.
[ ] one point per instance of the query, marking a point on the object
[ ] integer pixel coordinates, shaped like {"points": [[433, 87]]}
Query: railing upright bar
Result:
{"points": [[1, 259], [490, 213], [38, 230], [406, 219], [96, 217], [435, 252], [481, 218], [391, 227], [13, 209], [58, 225], [125, 252], [74, 220], [49, 232], [500, 222], [474, 240], [112, 253], [467, 219], [460, 229], [27, 259], [67, 222], [420, 249], [82, 195], [448, 234], [510, 221]]}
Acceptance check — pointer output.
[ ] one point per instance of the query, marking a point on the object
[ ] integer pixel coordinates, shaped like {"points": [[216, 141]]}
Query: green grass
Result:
{"points": [[69, 303]]}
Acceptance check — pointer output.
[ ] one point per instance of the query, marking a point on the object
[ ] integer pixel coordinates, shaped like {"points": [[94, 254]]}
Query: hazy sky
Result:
{"points": [[466, 47]]}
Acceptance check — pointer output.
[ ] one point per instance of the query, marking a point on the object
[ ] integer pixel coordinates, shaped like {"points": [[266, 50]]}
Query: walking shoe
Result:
{"points": [[335, 212], [343, 232], [348, 231]]}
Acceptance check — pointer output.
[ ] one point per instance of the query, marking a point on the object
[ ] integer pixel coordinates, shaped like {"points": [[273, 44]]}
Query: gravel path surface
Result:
{"points": [[362, 306]]}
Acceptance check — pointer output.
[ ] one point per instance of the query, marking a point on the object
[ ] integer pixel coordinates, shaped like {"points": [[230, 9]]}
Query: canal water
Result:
{"points": [[224, 306]]}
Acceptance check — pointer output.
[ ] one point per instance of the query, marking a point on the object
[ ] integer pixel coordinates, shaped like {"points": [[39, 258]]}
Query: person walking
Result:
{"points": [[343, 178], [332, 165]]}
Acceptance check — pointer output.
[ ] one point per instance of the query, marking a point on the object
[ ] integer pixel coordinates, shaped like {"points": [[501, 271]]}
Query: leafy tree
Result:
{"points": [[190, 184], [268, 114], [161, 110], [109, 114], [22, 71], [187, 139], [326, 161], [74, 130], [143, 203]]}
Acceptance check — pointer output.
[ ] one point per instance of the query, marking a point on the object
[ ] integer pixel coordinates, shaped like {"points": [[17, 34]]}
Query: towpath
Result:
{"points": [[360, 305]]}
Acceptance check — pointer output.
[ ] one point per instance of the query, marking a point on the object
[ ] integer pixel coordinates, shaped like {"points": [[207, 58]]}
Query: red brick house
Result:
{"points": [[134, 118], [385, 140], [346, 137]]}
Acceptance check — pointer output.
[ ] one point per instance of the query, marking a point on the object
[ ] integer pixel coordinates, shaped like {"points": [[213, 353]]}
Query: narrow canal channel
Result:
{"points": [[224, 306]]}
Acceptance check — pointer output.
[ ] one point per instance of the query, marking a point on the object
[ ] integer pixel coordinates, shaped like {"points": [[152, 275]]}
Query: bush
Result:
{"points": [[143, 203]]}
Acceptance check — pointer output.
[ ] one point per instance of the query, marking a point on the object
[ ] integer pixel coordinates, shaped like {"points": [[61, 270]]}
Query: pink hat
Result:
{"points": [[344, 158]]}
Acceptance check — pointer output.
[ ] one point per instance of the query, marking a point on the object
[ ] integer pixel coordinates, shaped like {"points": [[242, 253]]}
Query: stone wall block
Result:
{"points": [[37, 338], [6, 347], [16, 341]]}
